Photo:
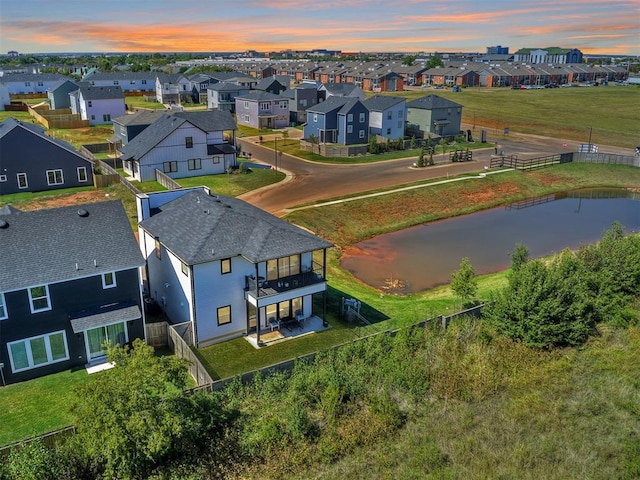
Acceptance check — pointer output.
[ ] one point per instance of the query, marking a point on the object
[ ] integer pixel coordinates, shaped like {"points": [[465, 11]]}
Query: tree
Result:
{"points": [[134, 419], [421, 158], [409, 60], [463, 281], [434, 62], [519, 257]]}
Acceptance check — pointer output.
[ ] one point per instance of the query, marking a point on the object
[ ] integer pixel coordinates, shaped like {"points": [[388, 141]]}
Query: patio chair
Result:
{"points": [[274, 324]]}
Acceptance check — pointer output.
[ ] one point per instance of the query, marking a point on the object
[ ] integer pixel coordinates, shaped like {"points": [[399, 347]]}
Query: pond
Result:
{"points": [[423, 257]]}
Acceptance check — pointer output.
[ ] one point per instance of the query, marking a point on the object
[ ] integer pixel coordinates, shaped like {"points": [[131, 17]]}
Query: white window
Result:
{"points": [[106, 117], [38, 351], [170, 167], [246, 104], [82, 174], [215, 159], [303, 102], [54, 177], [188, 142], [39, 298], [224, 315], [109, 280], [3, 308], [22, 180], [265, 105], [361, 117], [349, 128], [315, 117], [284, 104], [115, 334], [246, 118], [350, 117], [361, 135], [3, 178], [185, 268], [194, 164]]}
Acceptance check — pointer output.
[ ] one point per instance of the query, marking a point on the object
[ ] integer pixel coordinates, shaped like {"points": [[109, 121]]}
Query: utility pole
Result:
{"points": [[275, 154]]}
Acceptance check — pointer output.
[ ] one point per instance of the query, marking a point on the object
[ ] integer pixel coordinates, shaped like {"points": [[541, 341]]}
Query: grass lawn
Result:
{"points": [[234, 184]]}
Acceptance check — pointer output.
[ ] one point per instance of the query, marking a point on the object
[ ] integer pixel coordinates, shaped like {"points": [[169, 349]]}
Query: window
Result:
{"points": [[22, 180], [38, 351], [194, 164], [265, 105], [389, 115], [114, 334], [246, 104], [284, 104], [109, 280], [361, 134], [27, 84], [158, 249], [225, 266], [40, 84], [315, 117], [246, 118], [362, 117], [188, 142], [39, 298], [350, 117], [388, 131], [3, 178], [224, 315], [144, 82], [185, 268], [3, 308], [303, 102], [399, 123], [82, 174], [349, 128], [215, 159], [400, 114], [54, 177], [89, 104], [93, 117], [106, 117], [170, 167], [116, 82]]}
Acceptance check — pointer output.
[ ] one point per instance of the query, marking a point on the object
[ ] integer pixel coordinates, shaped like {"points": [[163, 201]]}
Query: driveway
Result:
{"points": [[312, 181]]}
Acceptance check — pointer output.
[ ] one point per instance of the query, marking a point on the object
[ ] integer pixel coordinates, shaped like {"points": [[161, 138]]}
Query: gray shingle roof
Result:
{"points": [[101, 93], [151, 136], [330, 104], [200, 228], [32, 77], [432, 101], [45, 246], [259, 95], [210, 120], [142, 117], [379, 103]]}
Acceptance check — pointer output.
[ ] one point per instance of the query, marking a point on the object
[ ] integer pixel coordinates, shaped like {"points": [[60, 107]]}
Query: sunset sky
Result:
{"points": [[38, 26]]}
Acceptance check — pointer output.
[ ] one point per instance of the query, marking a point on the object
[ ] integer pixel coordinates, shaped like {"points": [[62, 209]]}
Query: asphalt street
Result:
{"points": [[313, 181]]}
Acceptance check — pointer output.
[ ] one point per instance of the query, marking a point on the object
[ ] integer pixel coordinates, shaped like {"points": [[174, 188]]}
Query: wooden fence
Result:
{"points": [[179, 339], [166, 181], [49, 439], [109, 170], [62, 118]]}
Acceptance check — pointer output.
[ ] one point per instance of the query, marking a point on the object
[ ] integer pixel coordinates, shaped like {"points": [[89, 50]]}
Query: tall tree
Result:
{"points": [[463, 281]]}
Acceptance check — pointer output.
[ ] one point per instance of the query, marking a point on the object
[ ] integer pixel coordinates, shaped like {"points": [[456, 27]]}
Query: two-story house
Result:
{"points": [[70, 281], [222, 95], [31, 161], [98, 104], [260, 109], [172, 88], [387, 116], [342, 120], [127, 127], [433, 115], [24, 83], [58, 95], [226, 267], [127, 81], [182, 144], [301, 98]]}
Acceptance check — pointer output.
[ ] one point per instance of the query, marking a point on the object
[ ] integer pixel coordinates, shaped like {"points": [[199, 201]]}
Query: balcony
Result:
{"points": [[266, 288]]}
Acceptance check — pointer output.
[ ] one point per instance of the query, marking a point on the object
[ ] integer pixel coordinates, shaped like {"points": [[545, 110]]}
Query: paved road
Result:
{"points": [[312, 181]]}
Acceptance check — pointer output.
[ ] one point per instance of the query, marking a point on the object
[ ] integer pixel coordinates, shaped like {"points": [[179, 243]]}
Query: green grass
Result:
{"points": [[234, 184], [608, 114]]}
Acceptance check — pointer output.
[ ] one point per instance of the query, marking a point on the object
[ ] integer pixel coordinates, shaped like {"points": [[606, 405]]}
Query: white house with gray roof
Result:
{"points": [[98, 104], [23, 83], [70, 280], [225, 267], [182, 144]]}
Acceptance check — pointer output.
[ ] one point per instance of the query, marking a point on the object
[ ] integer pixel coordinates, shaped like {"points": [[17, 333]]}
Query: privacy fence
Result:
{"points": [[512, 161]]}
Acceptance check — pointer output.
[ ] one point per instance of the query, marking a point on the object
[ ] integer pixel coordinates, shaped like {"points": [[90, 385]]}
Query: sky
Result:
{"points": [[48, 26]]}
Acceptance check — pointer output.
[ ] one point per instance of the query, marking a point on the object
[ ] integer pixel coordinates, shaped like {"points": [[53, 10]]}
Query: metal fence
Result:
{"points": [[512, 161]]}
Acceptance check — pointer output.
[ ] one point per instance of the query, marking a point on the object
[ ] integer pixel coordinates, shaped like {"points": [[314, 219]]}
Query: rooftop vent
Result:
{"points": [[4, 224], [83, 213]]}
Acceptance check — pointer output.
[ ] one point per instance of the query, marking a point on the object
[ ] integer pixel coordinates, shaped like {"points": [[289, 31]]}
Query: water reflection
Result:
{"points": [[422, 257]]}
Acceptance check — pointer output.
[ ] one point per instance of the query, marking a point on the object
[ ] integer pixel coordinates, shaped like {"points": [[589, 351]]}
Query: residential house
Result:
{"points": [[260, 109], [200, 82], [226, 267], [387, 116], [272, 85], [5, 96], [182, 144], [382, 81], [25, 83], [342, 120], [341, 90], [31, 161], [58, 95], [300, 98], [98, 104], [127, 127], [70, 281], [127, 81], [222, 95], [172, 88], [433, 115]]}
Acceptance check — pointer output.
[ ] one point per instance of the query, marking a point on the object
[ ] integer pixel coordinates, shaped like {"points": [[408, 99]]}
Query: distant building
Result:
{"points": [[498, 50], [548, 55]]}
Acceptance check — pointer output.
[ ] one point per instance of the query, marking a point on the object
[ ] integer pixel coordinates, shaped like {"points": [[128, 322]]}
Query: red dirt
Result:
{"points": [[66, 200]]}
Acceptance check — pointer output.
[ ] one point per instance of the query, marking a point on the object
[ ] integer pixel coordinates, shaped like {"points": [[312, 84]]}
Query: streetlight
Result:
{"points": [[275, 154]]}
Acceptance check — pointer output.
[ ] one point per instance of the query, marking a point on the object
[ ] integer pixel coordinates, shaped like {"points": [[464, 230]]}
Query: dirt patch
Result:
{"points": [[545, 177], [66, 200]]}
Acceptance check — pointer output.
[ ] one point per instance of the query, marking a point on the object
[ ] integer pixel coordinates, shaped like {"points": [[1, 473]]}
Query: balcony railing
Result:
{"points": [[285, 284]]}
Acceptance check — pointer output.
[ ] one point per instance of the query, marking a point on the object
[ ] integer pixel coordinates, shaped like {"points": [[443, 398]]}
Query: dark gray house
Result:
{"points": [[58, 95], [70, 280], [127, 127], [272, 85], [300, 98], [342, 120], [31, 161], [433, 115]]}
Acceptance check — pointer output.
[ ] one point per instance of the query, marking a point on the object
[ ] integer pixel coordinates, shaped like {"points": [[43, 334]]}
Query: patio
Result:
{"points": [[287, 331]]}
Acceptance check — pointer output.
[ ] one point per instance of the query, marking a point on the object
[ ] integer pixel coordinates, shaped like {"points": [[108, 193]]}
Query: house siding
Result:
{"points": [[65, 298], [33, 155]]}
